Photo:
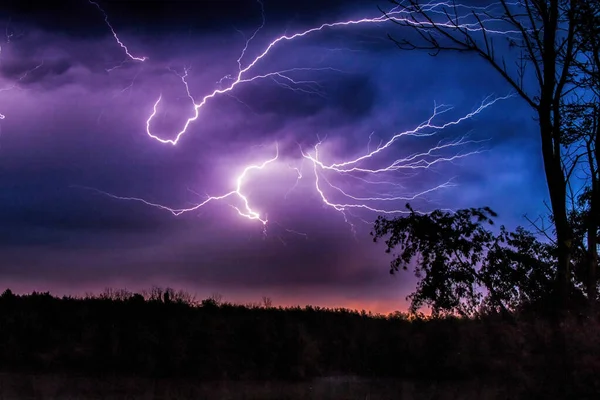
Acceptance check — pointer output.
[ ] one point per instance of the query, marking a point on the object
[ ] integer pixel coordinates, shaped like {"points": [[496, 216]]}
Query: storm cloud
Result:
{"points": [[76, 119]]}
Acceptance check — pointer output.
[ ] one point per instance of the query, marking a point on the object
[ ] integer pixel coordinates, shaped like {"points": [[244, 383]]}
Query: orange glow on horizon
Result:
{"points": [[384, 306]]}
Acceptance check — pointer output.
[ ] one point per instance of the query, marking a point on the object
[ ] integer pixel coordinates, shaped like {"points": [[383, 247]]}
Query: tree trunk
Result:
{"points": [[557, 191], [592, 260], [594, 217], [550, 130]]}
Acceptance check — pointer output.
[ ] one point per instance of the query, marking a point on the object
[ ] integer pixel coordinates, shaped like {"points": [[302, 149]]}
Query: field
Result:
{"points": [[63, 387]]}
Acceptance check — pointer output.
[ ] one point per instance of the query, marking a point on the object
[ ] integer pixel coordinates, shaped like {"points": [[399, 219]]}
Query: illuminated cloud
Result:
{"points": [[80, 121]]}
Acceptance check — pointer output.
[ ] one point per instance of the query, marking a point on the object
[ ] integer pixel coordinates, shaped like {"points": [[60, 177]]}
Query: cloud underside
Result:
{"points": [[71, 124]]}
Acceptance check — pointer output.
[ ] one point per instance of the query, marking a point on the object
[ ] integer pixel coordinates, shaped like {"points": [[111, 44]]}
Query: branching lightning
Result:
{"points": [[244, 210], [371, 168], [15, 85], [243, 74], [119, 42]]}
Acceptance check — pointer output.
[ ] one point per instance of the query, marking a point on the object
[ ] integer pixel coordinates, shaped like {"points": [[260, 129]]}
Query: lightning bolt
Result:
{"points": [[119, 42], [15, 85], [417, 160], [243, 76], [363, 168], [414, 162], [244, 210]]}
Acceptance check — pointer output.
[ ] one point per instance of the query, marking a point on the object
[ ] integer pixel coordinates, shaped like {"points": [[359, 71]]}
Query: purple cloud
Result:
{"points": [[76, 122]]}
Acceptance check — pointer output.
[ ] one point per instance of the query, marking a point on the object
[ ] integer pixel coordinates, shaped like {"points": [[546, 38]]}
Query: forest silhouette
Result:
{"points": [[517, 310], [163, 334]]}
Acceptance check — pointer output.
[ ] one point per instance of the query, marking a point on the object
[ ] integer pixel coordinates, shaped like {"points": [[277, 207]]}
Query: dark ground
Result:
{"points": [[63, 387], [152, 346]]}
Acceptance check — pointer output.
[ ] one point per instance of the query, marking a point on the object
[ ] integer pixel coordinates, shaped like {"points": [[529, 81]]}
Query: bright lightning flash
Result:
{"points": [[475, 20], [244, 73], [417, 161], [245, 210]]}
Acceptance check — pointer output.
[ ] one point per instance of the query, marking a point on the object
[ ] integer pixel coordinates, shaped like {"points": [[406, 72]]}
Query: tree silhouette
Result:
{"points": [[544, 41], [582, 135], [126, 335], [463, 267]]}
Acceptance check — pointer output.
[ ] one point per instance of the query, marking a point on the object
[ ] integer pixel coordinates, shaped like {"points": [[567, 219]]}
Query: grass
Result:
{"points": [[71, 387]]}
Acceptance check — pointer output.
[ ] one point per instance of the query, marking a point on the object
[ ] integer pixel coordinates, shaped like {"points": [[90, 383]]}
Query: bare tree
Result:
{"points": [[267, 302], [541, 35], [582, 135], [217, 298]]}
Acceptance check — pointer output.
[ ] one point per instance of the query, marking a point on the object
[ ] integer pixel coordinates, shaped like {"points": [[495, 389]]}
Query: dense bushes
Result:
{"points": [[158, 335]]}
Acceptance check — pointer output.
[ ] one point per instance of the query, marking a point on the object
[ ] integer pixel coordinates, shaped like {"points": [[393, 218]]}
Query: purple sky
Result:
{"points": [[71, 124]]}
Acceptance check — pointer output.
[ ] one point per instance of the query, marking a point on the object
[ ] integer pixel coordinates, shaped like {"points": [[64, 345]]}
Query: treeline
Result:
{"points": [[165, 334]]}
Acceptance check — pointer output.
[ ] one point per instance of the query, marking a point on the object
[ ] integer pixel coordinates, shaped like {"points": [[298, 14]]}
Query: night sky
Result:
{"points": [[75, 120]]}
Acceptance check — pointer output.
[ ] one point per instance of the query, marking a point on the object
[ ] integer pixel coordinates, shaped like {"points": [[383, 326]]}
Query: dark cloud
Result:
{"points": [[79, 120], [29, 72], [82, 217], [349, 96], [79, 17]]}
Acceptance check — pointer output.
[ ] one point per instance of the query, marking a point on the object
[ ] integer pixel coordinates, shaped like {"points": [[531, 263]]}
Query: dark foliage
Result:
{"points": [[125, 334], [464, 268]]}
